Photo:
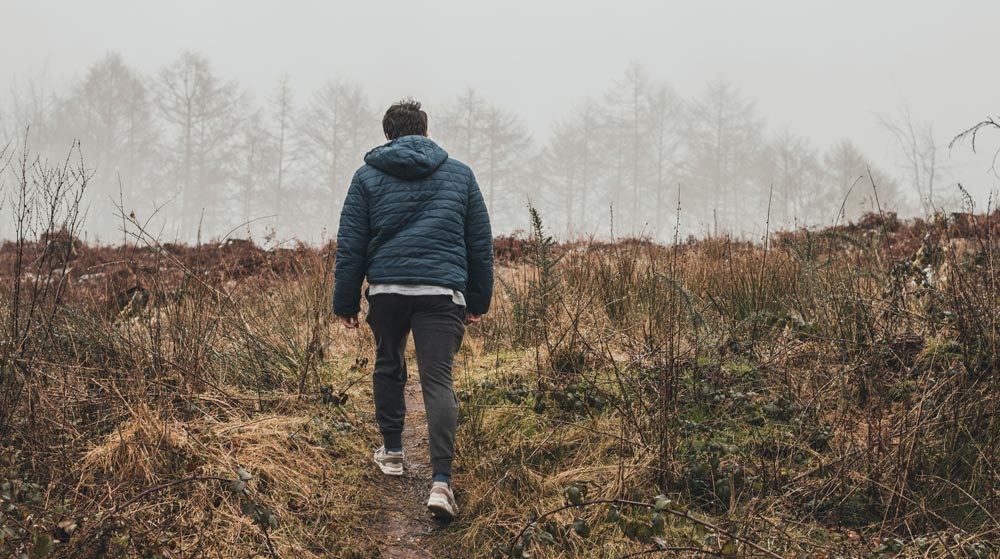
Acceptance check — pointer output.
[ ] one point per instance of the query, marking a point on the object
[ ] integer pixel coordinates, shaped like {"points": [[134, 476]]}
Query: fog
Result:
{"points": [[610, 118]]}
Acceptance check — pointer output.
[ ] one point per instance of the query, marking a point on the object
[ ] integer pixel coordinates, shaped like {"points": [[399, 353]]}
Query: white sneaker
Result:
{"points": [[441, 503], [391, 463]]}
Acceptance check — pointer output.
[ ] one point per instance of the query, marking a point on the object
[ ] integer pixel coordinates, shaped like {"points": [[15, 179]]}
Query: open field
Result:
{"points": [[831, 394]]}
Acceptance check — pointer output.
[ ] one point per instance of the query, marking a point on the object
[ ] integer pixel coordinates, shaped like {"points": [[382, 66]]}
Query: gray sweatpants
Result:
{"points": [[438, 326]]}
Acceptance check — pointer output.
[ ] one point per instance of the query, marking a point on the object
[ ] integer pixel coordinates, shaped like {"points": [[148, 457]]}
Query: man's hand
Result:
{"points": [[349, 321], [472, 318]]}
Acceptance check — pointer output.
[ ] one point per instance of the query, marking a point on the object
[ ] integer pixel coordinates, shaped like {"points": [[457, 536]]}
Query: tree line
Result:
{"points": [[197, 154]]}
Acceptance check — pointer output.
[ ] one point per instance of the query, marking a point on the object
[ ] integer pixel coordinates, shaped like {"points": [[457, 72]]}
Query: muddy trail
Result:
{"points": [[408, 529]]}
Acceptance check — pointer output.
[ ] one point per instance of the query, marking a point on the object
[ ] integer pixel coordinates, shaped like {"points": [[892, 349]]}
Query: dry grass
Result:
{"points": [[141, 382], [832, 395], [822, 396]]}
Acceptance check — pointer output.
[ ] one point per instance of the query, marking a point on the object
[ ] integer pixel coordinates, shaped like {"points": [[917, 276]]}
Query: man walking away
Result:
{"points": [[415, 224]]}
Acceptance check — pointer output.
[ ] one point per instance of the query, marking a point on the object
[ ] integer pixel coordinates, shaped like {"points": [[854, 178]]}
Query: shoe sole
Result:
{"points": [[389, 470], [441, 511]]}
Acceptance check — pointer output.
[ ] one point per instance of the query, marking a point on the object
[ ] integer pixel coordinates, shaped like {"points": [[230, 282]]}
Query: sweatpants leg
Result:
{"points": [[389, 318], [438, 328]]}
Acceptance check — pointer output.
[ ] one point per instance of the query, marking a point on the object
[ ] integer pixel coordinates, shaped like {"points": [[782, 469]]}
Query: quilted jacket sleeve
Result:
{"points": [[479, 252], [353, 237]]}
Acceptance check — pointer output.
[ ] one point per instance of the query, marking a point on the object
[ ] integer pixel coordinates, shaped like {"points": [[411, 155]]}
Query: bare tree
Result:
{"points": [[665, 123], [628, 104], [201, 112], [282, 116], [917, 142], [460, 126], [592, 157], [724, 143], [851, 183], [111, 113], [259, 153], [573, 160], [494, 142], [31, 106], [336, 129], [505, 147], [562, 170], [792, 166]]}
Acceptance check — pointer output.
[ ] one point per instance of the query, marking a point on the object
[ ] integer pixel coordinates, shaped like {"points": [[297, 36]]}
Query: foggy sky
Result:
{"points": [[825, 70]]}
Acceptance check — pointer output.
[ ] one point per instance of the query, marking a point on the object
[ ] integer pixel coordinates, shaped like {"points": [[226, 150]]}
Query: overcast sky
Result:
{"points": [[826, 70]]}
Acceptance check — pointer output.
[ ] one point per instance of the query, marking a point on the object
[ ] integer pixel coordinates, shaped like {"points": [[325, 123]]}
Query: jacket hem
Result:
{"points": [[437, 282]]}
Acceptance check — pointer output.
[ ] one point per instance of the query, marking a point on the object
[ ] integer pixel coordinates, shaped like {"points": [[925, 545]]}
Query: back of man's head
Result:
{"points": [[404, 118]]}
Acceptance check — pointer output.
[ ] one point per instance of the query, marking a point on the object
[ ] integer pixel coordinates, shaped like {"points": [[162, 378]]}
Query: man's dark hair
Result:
{"points": [[404, 118]]}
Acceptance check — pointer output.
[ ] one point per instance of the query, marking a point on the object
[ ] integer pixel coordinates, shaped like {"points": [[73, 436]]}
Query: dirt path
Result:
{"points": [[409, 529]]}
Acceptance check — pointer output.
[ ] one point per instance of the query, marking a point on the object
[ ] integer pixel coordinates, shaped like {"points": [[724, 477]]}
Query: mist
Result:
{"points": [[248, 119]]}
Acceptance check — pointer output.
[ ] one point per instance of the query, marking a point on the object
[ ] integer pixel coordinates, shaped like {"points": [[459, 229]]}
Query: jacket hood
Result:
{"points": [[407, 157]]}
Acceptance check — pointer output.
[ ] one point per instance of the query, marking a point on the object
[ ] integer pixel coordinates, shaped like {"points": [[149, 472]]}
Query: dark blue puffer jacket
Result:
{"points": [[413, 215]]}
